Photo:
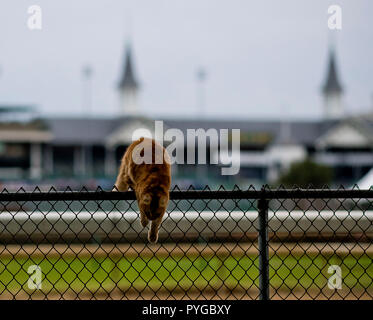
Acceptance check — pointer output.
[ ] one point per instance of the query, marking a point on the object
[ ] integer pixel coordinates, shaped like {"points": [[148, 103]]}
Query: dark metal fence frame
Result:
{"points": [[264, 193], [262, 196]]}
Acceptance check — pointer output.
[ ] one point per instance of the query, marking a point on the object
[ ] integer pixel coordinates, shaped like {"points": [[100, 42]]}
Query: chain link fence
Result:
{"points": [[236, 244]]}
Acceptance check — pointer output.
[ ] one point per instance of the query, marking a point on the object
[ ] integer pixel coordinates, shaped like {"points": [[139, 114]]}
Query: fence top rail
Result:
{"points": [[101, 195]]}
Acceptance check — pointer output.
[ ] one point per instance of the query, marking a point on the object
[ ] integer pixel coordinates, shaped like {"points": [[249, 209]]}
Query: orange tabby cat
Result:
{"points": [[146, 169]]}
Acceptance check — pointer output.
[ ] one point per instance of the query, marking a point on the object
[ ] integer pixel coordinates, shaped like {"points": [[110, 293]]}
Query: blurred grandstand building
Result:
{"points": [[55, 149]]}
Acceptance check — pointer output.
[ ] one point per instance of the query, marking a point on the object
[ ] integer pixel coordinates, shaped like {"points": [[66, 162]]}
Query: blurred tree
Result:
{"points": [[306, 173]]}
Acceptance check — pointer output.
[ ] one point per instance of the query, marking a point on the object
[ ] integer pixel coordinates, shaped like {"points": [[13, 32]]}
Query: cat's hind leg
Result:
{"points": [[153, 232]]}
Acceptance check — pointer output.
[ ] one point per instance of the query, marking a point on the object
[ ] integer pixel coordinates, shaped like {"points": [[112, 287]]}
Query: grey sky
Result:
{"points": [[263, 58]]}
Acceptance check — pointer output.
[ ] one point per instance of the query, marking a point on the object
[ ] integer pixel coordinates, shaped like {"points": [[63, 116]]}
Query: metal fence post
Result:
{"points": [[263, 249]]}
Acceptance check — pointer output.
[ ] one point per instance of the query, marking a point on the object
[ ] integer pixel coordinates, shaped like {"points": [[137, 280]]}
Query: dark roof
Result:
{"points": [[74, 131], [303, 132], [332, 83], [79, 130], [128, 79]]}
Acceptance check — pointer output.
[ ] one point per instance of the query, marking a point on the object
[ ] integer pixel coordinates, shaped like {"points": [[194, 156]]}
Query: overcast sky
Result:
{"points": [[263, 58]]}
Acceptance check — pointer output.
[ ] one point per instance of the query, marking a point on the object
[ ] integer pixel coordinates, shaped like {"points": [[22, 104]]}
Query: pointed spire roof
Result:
{"points": [[128, 79], [332, 83]]}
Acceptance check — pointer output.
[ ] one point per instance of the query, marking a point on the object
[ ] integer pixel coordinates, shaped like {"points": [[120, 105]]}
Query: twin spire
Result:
{"points": [[128, 87], [332, 83], [332, 91], [128, 78]]}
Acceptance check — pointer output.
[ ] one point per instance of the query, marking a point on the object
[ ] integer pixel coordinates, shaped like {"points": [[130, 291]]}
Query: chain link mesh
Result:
{"points": [[90, 245]]}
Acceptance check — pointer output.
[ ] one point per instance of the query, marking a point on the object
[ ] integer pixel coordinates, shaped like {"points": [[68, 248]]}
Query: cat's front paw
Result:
{"points": [[152, 237]]}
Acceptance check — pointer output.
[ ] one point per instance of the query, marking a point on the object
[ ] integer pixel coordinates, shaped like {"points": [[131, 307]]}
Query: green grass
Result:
{"points": [[186, 272]]}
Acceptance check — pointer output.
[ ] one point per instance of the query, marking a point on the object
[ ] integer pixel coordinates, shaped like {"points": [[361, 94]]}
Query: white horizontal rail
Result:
{"points": [[70, 226]]}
